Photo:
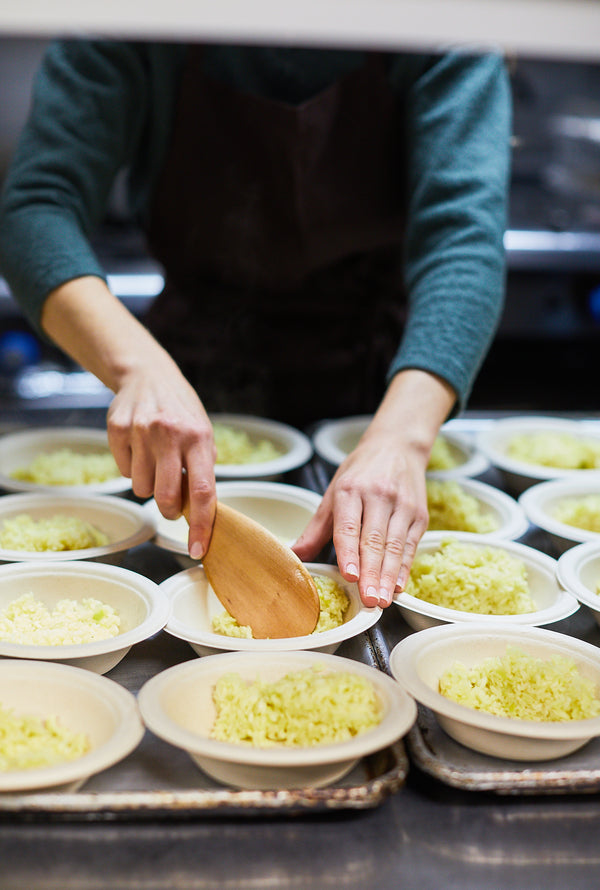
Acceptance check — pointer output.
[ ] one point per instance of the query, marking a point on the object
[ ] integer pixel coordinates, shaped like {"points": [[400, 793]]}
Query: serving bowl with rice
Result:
{"points": [[198, 617], [568, 510], [458, 577], [518, 693], [275, 720], [84, 614], [65, 460], [468, 505], [61, 725], [284, 510], [257, 448], [58, 527], [579, 573], [528, 450], [453, 455]]}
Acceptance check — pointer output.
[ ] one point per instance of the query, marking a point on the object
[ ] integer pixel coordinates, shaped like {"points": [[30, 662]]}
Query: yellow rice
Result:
{"points": [[524, 687], [54, 533], [67, 467], [303, 708], [451, 508], [30, 742], [235, 446], [29, 621], [580, 512], [471, 578], [555, 449]]}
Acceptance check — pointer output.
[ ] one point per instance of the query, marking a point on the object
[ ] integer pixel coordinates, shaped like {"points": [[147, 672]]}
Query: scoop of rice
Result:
{"points": [[582, 512], [303, 708], [236, 447], [333, 601], [555, 449], [442, 456], [470, 578], [67, 467], [29, 621], [29, 742], [59, 532], [452, 508], [523, 686]]}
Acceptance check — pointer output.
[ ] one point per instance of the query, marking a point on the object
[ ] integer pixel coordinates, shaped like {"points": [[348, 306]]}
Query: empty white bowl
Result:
{"points": [[508, 514], [541, 500], [519, 475], [285, 510], [552, 601], [83, 702], [418, 662], [143, 608], [177, 706], [335, 439], [579, 573], [124, 522], [19, 449], [296, 448], [194, 605]]}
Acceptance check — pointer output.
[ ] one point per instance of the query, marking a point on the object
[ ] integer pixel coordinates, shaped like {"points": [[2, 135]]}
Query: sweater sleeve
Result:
{"points": [[88, 119], [458, 120]]}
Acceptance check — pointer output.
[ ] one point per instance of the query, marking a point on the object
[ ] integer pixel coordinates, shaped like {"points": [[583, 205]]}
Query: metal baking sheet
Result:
{"points": [[159, 780]]}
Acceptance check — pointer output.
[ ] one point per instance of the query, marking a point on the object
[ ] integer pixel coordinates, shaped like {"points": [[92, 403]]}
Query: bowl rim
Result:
{"points": [[517, 523], [327, 434], [565, 604], [366, 617], [569, 565], [488, 441], [299, 452], [48, 435], [276, 491], [113, 504], [158, 611], [403, 668], [537, 496], [398, 719], [122, 742]]}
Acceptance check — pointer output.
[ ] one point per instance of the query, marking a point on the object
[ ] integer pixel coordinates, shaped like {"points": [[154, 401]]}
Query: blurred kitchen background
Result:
{"points": [[544, 356]]}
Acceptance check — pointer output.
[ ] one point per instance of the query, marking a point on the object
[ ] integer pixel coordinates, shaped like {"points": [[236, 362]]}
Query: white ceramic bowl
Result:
{"points": [[142, 607], [335, 439], [553, 602], [124, 522], [418, 661], [540, 500], [83, 702], [177, 706], [517, 474], [296, 448], [194, 605], [579, 573], [510, 517], [285, 510], [21, 448]]}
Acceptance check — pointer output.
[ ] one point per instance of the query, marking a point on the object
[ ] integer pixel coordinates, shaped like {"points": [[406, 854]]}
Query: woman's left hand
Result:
{"points": [[375, 508]]}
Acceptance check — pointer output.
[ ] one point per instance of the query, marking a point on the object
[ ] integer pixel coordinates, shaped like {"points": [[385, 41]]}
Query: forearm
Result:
{"points": [[412, 411], [92, 326]]}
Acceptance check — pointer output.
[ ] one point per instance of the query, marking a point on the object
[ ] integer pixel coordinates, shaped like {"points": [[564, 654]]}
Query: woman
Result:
{"points": [[293, 196]]}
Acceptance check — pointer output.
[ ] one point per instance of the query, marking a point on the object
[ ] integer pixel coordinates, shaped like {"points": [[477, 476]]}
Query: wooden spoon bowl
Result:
{"points": [[258, 579]]}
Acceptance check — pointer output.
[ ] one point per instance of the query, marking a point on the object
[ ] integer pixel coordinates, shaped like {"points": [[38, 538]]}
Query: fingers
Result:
{"points": [[376, 530]]}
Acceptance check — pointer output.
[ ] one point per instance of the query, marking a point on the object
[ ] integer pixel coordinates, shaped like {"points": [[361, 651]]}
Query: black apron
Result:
{"points": [[279, 227]]}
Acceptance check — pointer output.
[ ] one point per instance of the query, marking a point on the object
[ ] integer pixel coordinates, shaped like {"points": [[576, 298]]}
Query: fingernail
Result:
{"points": [[196, 551], [371, 596], [385, 597], [352, 570]]}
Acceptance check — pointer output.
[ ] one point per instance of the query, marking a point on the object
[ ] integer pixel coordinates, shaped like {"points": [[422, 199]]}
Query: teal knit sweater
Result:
{"points": [[102, 106]]}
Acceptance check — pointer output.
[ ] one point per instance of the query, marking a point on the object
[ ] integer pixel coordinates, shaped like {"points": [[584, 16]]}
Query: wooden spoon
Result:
{"points": [[258, 579]]}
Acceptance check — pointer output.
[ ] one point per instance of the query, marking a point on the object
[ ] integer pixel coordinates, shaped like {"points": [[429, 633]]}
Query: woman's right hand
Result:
{"points": [[161, 437], [157, 425]]}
